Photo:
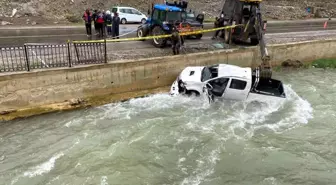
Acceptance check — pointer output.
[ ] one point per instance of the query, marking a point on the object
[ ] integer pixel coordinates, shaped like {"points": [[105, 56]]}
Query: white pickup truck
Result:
{"points": [[227, 82]]}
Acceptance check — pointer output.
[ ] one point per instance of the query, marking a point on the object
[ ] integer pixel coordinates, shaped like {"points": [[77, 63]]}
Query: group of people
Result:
{"points": [[104, 23]]}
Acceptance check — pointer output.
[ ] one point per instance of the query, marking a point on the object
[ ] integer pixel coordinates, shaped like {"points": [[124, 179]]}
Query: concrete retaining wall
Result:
{"points": [[29, 93]]}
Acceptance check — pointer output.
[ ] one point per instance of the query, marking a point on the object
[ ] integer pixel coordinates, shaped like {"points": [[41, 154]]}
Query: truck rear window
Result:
{"points": [[206, 74]]}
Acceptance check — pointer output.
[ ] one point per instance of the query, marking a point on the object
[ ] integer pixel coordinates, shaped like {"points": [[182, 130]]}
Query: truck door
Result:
{"points": [[215, 88], [237, 90]]}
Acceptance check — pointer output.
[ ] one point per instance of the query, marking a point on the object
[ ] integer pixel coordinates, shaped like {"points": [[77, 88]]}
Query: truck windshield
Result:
{"points": [[206, 74], [174, 16]]}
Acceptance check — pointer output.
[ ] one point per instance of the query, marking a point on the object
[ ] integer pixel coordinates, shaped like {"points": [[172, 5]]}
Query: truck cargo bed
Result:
{"points": [[270, 87]]}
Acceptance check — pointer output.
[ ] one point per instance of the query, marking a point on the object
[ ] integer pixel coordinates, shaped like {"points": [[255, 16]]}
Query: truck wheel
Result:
{"points": [[192, 93], [254, 41], [158, 42], [140, 33]]}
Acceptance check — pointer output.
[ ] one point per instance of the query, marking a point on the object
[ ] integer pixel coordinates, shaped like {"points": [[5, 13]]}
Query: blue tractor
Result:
{"points": [[163, 18]]}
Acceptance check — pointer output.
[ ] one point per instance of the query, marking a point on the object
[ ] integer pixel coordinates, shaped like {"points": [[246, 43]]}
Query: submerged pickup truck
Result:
{"points": [[227, 82]]}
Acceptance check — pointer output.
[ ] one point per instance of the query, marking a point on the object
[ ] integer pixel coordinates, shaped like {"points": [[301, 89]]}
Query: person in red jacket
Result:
{"points": [[100, 23], [87, 17]]}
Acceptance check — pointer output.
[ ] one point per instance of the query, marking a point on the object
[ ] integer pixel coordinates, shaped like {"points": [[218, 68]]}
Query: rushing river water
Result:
{"points": [[164, 140]]}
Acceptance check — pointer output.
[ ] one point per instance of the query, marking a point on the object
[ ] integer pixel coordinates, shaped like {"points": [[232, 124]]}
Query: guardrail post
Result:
{"points": [[105, 51], [76, 50], [69, 53], [27, 59]]}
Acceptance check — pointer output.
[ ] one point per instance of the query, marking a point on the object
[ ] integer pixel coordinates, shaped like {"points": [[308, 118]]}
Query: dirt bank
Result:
{"points": [[46, 12]]}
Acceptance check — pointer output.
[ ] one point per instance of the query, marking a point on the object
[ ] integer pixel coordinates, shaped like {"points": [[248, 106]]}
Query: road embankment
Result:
{"points": [[31, 93]]}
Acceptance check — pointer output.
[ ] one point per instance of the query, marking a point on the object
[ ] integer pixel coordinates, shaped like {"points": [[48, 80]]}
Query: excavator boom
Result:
{"points": [[248, 13]]}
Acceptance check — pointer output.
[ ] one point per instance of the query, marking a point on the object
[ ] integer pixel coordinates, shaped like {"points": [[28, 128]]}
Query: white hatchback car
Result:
{"points": [[129, 14]]}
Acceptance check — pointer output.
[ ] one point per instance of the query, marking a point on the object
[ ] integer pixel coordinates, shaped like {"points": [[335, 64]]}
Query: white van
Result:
{"points": [[129, 14]]}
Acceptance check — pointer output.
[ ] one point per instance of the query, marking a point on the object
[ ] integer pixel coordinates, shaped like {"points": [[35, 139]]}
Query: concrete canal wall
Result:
{"points": [[31, 93]]}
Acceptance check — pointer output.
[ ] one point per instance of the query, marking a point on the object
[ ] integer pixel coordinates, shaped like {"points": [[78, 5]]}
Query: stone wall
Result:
{"points": [[23, 93]]}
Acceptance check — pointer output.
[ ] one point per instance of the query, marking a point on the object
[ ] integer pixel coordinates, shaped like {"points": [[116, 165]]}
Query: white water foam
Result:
{"points": [[205, 167], [301, 114], [240, 117], [44, 167], [103, 180], [270, 180], [247, 116]]}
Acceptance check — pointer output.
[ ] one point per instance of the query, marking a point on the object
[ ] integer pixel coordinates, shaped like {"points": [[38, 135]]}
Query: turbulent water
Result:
{"points": [[183, 141]]}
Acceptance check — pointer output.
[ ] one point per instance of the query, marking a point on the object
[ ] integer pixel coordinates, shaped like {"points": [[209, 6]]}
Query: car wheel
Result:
{"points": [[123, 21], [143, 21]]}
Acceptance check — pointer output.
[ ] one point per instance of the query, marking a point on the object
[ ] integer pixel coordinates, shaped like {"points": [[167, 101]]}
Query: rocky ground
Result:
{"points": [[46, 12]]}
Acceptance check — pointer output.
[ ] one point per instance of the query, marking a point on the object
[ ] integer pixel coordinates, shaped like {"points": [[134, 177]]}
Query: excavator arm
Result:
{"points": [[233, 10], [265, 67]]}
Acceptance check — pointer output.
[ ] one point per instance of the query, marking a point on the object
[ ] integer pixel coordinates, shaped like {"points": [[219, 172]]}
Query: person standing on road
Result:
{"points": [[94, 17], [115, 26], [216, 23], [100, 24], [177, 40], [88, 20], [108, 22], [219, 23], [104, 24]]}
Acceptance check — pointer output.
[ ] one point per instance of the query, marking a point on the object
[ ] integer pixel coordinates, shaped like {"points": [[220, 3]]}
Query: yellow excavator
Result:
{"points": [[247, 13]]}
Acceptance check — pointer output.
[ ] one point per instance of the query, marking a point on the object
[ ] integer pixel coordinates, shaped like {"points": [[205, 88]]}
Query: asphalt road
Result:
{"points": [[17, 36]]}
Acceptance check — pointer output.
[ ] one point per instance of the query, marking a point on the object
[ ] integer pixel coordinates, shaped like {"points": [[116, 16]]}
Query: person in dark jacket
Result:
{"points": [[108, 22], [104, 24], [219, 23], [87, 17], [115, 25], [100, 24], [94, 16], [177, 40]]}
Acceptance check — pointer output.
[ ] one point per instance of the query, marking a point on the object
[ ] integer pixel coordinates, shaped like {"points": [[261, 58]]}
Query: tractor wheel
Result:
{"points": [[140, 33], [158, 42], [199, 36], [254, 41]]}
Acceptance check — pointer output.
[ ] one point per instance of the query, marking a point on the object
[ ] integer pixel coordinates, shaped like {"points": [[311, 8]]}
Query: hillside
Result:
{"points": [[65, 11]]}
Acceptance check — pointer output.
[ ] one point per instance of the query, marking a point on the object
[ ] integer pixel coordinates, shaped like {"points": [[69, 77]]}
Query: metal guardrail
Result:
{"points": [[90, 53], [41, 56], [13, 59]]}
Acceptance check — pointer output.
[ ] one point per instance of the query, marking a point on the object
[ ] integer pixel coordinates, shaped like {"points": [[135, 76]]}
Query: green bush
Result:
{"points": [[324, 63]]}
